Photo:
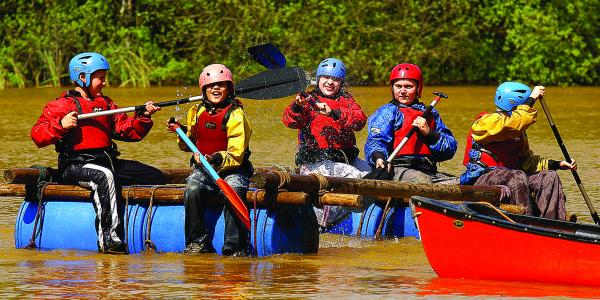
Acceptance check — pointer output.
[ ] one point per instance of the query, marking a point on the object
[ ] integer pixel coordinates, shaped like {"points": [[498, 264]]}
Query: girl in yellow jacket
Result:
{"points": [[220, 130], [498, 153]]}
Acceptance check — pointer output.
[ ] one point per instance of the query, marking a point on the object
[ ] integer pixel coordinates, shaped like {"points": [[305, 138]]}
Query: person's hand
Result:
{"points": [[172, 124], [383, 164], [300, 101], [323, 108], [504, 192], [197, 158], [538, 91], [150, 108], [422, 125], [564, 165], [69, 121]]}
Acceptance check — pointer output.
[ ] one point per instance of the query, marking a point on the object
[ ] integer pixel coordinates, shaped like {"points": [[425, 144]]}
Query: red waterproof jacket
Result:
{"points": [[335, 131], [90, 134]]}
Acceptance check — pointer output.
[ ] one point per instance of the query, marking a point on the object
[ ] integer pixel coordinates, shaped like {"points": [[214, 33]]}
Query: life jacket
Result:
{"points": [[90, 134], [415, 144], [211, 129], [505, 154], [324, 132]]}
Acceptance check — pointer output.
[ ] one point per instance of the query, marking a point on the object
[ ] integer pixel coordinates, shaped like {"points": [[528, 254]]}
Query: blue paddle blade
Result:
{"points": [[268, 55]]}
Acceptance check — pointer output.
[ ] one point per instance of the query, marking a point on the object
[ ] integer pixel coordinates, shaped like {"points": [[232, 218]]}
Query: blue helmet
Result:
{"points": [[332, 67], [88, 63], [511, 94]]}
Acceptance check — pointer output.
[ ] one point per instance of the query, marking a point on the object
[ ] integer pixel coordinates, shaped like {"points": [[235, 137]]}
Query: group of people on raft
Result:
{"points": [[326, 118]]}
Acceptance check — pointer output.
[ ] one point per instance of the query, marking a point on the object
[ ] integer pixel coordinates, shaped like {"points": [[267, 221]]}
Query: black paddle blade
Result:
{"points": [[273, 84], [380, 174], [267, 55]]}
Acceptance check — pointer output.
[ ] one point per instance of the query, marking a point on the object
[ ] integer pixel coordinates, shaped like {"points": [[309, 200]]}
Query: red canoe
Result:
{"points": [[476, 241]]}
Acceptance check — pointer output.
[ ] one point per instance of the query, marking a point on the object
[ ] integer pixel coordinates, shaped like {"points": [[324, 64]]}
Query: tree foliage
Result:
{"points": [[155, 42]]}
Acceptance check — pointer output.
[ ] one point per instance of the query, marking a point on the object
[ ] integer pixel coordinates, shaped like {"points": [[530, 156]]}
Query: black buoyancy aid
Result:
{"points": [[415, 144], [506, 153], [211, 129], [90, 134]]}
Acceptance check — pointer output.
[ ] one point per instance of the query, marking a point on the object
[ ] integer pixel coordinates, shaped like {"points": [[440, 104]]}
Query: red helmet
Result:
{"points": [[408, 71], [215, 73]]}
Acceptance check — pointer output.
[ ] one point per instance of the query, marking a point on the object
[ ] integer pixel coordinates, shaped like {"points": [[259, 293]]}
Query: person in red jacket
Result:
{"points": [[87, 154], [326, 119]]}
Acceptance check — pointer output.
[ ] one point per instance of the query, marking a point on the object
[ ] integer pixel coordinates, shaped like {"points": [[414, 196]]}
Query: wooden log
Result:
{"points": [[172, 175], [165, 194], [346, 200], [370, 187]]}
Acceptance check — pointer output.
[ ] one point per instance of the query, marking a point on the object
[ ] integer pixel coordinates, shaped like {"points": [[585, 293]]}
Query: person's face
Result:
{"points": [[217, 92], [405, 91], [329, 85], [98, 81]]}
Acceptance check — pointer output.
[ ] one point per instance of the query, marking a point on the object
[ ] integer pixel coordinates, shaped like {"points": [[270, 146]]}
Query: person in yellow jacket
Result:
{"points": [[498, 153], [220, 130]]}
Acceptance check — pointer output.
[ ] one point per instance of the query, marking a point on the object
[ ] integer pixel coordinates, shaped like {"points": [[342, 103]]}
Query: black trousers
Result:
{"points": [[106, 178]]}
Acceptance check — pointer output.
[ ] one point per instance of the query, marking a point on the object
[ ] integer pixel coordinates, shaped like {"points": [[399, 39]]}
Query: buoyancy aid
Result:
{"points": [[415, 144], [211, 129], [90, 134], [496, 154]]}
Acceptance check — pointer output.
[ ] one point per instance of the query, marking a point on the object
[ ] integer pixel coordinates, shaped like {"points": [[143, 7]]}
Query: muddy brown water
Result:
{"points": [[344, 267]]}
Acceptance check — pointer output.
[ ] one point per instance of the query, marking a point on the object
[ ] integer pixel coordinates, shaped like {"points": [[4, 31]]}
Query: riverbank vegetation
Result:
{"points": [[162, 42]]}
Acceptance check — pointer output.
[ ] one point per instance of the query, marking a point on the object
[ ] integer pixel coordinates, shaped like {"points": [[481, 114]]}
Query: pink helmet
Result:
{"points": [[215, 73]]}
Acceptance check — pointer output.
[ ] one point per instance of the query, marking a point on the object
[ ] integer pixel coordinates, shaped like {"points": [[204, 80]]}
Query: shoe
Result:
{"points": [[197, 248], [114, 247], [233, 251]]}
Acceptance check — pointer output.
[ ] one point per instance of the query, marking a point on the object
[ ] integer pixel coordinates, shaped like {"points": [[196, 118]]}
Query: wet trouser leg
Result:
{"points": [[130, 172], [101, 181], [516, 181], [411, 175], [198, 189], [236, 234], [549, 195]]}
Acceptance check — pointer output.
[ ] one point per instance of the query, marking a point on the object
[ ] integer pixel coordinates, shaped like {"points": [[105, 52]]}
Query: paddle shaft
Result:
{"points": [[565, 153], [236, 202], [138, 108]]}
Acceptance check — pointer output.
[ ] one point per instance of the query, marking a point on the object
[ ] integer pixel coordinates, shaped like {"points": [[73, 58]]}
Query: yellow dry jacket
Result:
{"points": [[499, 126], [238, 136]]}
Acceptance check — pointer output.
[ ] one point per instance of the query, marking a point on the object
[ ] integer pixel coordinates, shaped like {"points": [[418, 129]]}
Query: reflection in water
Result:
{"points": [[464, 287], [345, 267]]}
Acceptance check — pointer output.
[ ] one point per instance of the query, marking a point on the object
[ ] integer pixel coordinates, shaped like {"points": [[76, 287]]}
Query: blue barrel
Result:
{"points": [[68, 224], [285, 229], [398, 222]]}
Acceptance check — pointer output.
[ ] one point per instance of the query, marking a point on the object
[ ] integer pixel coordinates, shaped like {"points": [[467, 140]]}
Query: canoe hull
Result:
{"points": [[463, 244]]}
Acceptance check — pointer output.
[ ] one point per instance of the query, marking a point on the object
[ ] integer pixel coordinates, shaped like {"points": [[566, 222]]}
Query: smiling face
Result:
{"points": [[98, 81], [329, 85], [217, 92], [405, 91]]}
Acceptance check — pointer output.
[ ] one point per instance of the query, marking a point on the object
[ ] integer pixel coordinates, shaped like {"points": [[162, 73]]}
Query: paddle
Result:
{"points": [[267, 55], [563, 148], [234, 199], [382, 173], [270, 84]]}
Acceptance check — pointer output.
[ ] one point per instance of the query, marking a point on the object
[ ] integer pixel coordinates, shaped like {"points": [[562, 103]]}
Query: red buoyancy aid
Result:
{"points": [[498, 154], [415, 144], [94, 133], [328, 133], [211, 130]]}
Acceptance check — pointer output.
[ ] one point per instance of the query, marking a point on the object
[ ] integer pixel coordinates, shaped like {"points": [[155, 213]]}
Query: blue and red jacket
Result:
{"points": [[390, 123], [90, 134]]}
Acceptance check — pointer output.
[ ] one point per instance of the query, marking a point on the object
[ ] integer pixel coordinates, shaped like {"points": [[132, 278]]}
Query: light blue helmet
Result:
{"points": [[87, 63], [510, 95], [332, 67]]}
